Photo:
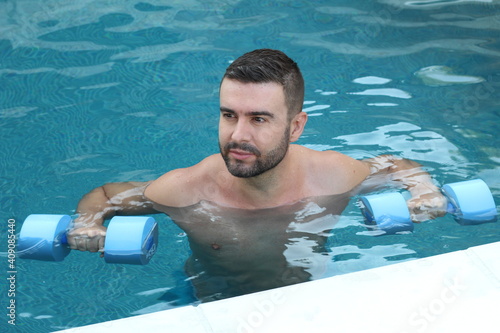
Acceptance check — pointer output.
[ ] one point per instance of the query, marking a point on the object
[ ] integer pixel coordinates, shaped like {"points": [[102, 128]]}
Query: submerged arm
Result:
{"points": [[426, 202], [103, 203]]}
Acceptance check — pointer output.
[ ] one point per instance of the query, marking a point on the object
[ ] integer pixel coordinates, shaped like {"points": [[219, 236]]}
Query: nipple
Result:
{"points": [[216, 246]]}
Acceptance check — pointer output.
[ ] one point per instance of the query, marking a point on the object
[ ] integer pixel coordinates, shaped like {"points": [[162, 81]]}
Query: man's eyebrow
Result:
{"points": [[251, 113], [224, 109], [260, 113]]}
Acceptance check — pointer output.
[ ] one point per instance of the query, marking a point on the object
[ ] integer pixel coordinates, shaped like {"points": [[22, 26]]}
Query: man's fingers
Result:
{"points": [[84, 243], [87, 239]]}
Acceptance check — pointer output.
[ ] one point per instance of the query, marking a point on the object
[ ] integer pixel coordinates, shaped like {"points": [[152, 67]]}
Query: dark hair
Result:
{"points": [[265, 65]]}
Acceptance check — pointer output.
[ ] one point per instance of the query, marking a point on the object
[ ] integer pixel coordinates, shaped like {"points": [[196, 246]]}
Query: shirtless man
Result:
{"points": [[257, 214]]}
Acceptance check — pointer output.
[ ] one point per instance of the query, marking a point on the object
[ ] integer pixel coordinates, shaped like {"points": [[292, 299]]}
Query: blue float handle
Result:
{"points": [[64, 239], [129, 240], [387, 211], [470, 202], [43, 237], [450, 209]]}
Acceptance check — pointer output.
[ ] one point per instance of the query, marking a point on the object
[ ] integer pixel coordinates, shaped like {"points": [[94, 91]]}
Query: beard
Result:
{"points": [[262, 162]]}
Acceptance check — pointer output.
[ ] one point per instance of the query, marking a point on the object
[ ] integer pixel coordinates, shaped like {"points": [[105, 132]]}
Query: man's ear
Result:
{"points": [[297, 126]]}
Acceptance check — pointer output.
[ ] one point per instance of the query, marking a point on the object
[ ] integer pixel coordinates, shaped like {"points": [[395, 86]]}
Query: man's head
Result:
{"points": [[265, 65], [261, 98]]}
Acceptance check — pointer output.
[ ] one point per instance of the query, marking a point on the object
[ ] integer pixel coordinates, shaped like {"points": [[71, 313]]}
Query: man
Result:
{"points": [[256, 214]]}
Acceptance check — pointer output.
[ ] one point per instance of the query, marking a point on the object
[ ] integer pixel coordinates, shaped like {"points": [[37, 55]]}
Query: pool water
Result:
{"points": [[105, 91]]}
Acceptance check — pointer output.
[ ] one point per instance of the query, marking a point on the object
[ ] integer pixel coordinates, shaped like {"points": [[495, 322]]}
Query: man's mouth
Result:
{"points": [[241, 151], [240, 154]]}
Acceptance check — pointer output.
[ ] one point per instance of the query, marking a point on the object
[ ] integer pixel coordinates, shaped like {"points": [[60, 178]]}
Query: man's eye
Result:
{"points": [[259, 119], [228, 115]]}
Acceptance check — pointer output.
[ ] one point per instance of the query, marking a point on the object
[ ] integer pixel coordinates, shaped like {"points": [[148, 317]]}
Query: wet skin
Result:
{"points": [[238, 251]]}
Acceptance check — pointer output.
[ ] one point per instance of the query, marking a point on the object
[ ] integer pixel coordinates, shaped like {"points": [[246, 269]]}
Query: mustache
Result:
{"points": [[242, 146]]}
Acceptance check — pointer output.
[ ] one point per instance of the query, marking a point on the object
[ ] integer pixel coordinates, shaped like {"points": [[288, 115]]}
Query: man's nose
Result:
{"points": [[241, 131]]}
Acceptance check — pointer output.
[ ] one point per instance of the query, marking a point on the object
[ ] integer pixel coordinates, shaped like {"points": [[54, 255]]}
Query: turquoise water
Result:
{"points": [[102, 91]]}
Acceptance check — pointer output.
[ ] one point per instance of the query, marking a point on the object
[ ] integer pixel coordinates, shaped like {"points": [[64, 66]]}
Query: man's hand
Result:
{"points": [[426, 203], [103, 203], [427, 206], [86, 237]]}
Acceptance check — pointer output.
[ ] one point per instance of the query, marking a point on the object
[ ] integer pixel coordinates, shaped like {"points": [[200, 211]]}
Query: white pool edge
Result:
{"points": [[453, 292]]}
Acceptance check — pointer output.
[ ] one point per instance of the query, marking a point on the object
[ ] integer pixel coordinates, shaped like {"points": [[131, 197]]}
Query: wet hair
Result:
{"points": [[266, 65]]}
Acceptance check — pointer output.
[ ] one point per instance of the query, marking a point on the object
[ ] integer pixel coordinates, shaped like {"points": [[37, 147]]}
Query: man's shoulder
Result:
{"points": [[181, 187], [332, 169], [323, 157]]}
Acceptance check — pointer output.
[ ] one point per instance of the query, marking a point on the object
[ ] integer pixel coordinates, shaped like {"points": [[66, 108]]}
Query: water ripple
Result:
{"points": [[423, 4], [160, 52], [371, 80], [16, 112], [443, 76], [317, 40], [412, 142], [390, 92]]}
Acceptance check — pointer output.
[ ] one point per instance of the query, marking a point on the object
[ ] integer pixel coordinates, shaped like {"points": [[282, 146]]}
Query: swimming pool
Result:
{"points": [[95, 92]]}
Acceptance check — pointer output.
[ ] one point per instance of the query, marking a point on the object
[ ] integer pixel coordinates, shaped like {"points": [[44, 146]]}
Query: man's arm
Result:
{"points": [[426, 202], [103, 203]]}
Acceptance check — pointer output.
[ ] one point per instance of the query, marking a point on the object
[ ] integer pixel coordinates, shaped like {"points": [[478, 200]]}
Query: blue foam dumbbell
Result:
{"points": [[129, 239], [470, 202]]}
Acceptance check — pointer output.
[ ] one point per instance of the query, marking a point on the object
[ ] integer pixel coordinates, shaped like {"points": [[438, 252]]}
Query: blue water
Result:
{"points": [[102, 91]]}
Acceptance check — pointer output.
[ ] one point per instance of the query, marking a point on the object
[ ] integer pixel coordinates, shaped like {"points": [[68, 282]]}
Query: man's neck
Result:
{"points": [[275, 187]]}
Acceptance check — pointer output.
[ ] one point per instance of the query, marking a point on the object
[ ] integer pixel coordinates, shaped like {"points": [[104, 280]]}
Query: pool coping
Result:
{"points": [[454, 291]]}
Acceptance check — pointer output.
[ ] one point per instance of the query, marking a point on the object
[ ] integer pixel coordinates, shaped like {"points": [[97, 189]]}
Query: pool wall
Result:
{"points": [[453, 292]]}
